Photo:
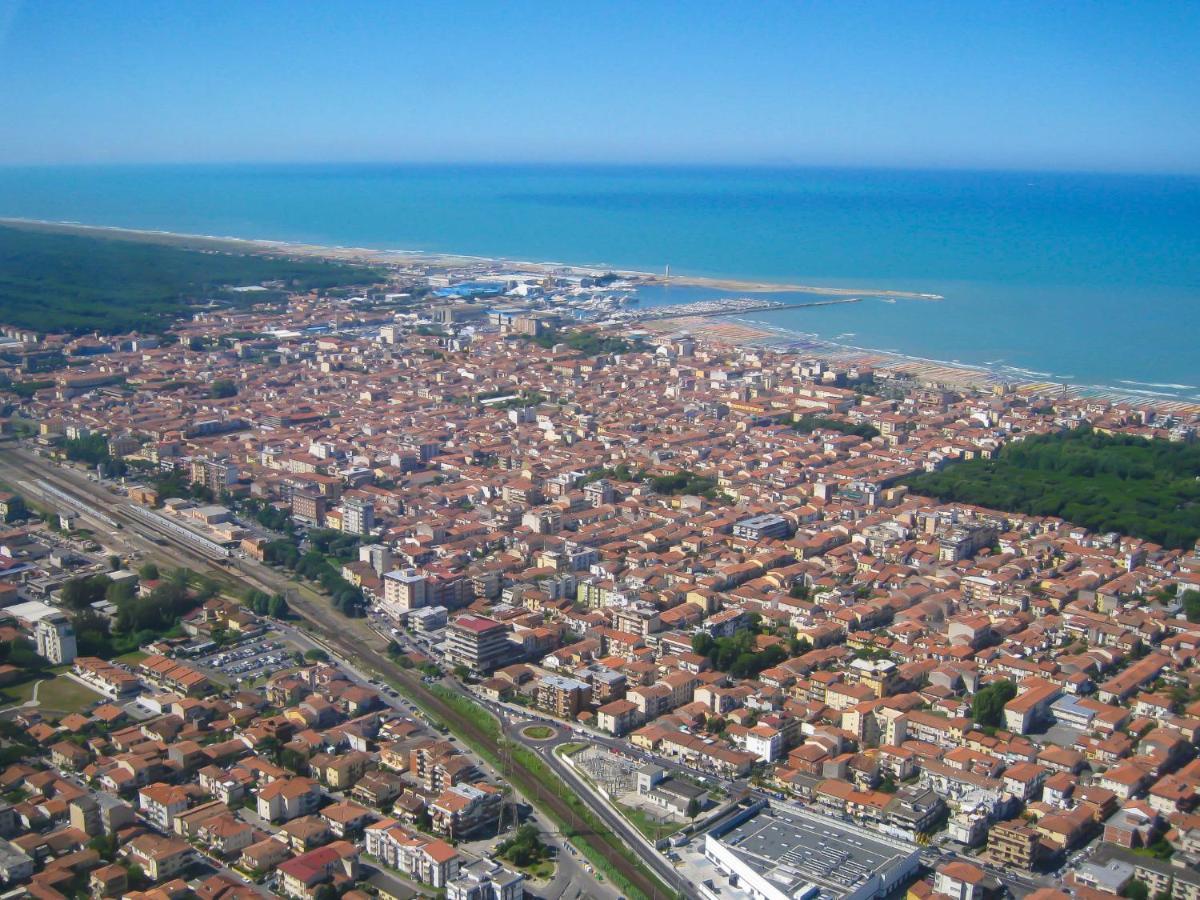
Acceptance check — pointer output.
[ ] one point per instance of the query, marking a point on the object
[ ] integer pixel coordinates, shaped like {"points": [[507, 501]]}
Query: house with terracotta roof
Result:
{"points": [[160, 803], [264, 855], [335, 864], [160, 857], [618, 717], [960, 881], [1032, 704]]}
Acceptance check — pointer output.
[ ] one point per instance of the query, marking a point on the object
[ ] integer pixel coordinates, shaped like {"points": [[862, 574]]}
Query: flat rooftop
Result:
{"points": [[759, 521], [792, 849]]}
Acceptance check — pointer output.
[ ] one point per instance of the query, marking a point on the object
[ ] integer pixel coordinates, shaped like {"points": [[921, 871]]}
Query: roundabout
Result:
{"points": [[539, 732]]}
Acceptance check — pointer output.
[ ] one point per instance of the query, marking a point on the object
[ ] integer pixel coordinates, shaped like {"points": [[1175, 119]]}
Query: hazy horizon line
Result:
{"points": [[682, 165]]}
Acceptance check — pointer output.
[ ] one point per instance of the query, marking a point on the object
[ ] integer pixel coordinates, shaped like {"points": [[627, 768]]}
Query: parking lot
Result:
{"points": [[250, 659]]}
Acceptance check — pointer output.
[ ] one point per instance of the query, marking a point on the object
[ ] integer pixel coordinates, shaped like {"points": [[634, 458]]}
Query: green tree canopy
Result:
{"points": [[222, 388], [524, 848], [987, 707], [1144, 488], [737, 654]]}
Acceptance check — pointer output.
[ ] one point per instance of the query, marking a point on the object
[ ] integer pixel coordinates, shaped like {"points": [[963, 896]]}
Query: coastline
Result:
{"points": [[729, 332], [369, 255], [736, 333]]}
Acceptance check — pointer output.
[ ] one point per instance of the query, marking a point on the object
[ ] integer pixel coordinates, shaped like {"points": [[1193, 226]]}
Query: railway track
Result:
{"points": [[520, 777], [528, 783]]}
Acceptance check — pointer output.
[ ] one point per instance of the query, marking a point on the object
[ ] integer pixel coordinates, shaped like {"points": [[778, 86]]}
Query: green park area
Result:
{"points": [[1145, 488], [57, 694], [526, 851], [62, 694]]}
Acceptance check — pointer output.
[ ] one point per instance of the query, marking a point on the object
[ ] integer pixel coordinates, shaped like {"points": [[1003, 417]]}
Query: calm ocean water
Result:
{"points": [[1092, 279]]}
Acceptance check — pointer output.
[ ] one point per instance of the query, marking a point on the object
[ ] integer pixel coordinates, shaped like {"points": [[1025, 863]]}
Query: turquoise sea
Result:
{"points": [[1090, 279]]}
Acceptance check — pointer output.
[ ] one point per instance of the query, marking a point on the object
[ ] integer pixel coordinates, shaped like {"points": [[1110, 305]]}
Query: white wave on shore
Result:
{"points": [[1157, 384], [792, 339], [1031, 372], [1143, 391]]}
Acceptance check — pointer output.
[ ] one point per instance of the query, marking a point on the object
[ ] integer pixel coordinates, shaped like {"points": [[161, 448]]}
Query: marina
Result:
{"points": [[727, 307]]}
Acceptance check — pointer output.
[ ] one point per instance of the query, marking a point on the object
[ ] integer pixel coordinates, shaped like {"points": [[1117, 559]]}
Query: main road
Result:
{"points": [[514, 726]]}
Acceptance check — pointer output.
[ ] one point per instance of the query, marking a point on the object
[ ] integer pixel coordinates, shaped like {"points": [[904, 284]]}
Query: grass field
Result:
{"points": [[538, 732], [570, 749], [647, 824], [543, 870], [132, 658], [56, 695], [17, 693], [64, 695]]}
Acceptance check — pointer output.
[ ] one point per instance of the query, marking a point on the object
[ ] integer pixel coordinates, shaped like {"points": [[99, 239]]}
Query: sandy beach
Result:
{"points": [[373, 256], [740, 335]]}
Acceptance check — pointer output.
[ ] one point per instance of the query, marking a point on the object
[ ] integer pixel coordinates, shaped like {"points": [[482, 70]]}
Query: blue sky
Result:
{"points": [[1039, 85]]}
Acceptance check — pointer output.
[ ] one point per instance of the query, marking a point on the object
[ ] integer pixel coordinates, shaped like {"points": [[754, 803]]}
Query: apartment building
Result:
{"points": [[478, 643], [1013, 843], [404, 590], [563, 697], [288, 798], [465, 808], [55, 639]]}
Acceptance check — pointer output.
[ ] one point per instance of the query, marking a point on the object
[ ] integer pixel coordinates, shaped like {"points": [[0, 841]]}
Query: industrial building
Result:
{"points": [[785, 853]]}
